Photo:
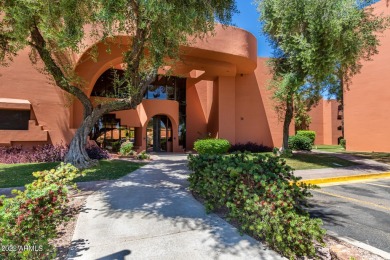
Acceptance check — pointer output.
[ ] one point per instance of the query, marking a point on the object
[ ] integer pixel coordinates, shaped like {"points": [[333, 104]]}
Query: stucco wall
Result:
{"points": [[226, 92], [251, 119], [21, 80], [317, 122], [366, 108], [196, 121], [275, 122], [325, 122]]}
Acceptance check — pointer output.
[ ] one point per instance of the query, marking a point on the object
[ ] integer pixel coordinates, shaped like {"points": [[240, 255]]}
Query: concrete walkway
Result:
{"points": [[365, 166], [150, 214]]}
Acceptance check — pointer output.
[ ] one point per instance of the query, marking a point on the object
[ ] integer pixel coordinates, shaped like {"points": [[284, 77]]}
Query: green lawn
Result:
{"points": [[379, 157], [329, 148], [305, 161], [15, 175]]}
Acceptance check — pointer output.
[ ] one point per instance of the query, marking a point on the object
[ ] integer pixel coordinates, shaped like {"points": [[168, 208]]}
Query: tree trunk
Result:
{"points": [[77, 154], [287, 121]]}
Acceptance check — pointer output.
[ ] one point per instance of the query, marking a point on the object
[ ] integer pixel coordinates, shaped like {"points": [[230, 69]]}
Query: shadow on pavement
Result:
{"points": [[158, 192]]}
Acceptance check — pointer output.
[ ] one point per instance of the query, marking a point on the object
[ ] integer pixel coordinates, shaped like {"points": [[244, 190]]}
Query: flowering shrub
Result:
{"points": [[262, 195], [45, 153], [29, 220]]}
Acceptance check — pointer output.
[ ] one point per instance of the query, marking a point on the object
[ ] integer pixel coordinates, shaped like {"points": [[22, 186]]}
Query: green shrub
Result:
{"points": [[299, 142], [116, 146], [29, 220], [286, 153], [262, 195], [310, 134], [343, 143], [133, 153], [212, 146], [143, 156], [126, 148]]}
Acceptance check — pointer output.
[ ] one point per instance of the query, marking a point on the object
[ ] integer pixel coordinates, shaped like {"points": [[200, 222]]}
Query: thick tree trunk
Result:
{"points": [[77, 154], [287, 121]]}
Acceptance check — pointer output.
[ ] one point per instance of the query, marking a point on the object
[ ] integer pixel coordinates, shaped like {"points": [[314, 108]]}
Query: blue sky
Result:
{"points": [[248, 19]]}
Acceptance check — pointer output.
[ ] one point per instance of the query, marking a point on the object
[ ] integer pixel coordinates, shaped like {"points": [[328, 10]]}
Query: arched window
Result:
{"points": [[107, 84]]}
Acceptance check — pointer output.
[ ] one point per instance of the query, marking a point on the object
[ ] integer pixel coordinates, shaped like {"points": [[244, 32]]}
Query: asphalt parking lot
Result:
{"points": [[359, 210]]}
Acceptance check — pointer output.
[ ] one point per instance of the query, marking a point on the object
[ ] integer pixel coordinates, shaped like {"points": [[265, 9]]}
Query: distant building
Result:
{"points": [[367, 102]]}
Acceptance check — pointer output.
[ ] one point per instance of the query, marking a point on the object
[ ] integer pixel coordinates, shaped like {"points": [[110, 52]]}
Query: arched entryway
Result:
{"points": [[159, 134]]}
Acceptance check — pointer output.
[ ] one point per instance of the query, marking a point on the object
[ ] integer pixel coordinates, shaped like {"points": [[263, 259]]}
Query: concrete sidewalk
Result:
{"points": [[150, 214], [365, 167]]}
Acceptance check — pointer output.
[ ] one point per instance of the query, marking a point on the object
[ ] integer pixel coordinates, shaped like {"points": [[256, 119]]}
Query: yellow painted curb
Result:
{"points": [[346, 178]]}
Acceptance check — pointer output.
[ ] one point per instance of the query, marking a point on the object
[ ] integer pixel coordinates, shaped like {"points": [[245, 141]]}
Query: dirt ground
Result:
{"points": [[65, 231]]}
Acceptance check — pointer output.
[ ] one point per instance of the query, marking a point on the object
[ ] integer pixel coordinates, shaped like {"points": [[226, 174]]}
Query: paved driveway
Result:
{"points": [[359, 210], [150, 214]]}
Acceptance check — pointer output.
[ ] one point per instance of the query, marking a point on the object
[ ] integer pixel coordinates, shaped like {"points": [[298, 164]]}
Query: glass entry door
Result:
{"points": [[159, 134]]}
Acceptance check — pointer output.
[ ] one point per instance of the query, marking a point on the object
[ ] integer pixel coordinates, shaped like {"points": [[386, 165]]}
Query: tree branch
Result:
{"points": [[39, 43]]}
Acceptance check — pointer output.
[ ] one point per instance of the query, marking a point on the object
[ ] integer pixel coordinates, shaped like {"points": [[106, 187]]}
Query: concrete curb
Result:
{"points": [[346, 178], [361, 245]]}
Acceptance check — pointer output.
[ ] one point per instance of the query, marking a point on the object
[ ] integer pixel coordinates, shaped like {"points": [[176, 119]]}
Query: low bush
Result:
{"points": [[143, 156], [309, 134], [212, 146], [29, 220], [299, 142], [343, 143], [115, 146], [96, 153], [262, 195], [250, 147], [40, 153], [45, 153], [126, 148]]}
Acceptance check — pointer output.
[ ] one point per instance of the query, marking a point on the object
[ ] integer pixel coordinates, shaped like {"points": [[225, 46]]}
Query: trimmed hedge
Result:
{"points": [[262, 195], [310, 134], [212, 146], [250, 147], [299, 142]]}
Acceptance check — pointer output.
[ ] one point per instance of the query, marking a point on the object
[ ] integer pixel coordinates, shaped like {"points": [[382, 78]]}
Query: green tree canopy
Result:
{"points": [[55, 29], [318, 44]]}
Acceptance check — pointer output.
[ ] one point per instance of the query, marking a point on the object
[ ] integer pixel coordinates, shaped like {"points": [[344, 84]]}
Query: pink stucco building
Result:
{"points": [[219, 89]]}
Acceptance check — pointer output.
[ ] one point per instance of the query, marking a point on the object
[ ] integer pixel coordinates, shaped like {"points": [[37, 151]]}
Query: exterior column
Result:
{"points": [[227, 108]]}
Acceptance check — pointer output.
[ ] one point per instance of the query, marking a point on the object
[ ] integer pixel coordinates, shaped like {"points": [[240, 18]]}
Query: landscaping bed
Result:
{"points": [[260, 196], [334, 249]]}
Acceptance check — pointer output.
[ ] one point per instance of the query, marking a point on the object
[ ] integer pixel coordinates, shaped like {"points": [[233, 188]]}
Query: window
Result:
{"points": [[14, 119], [166, 88], [107, 84]]}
